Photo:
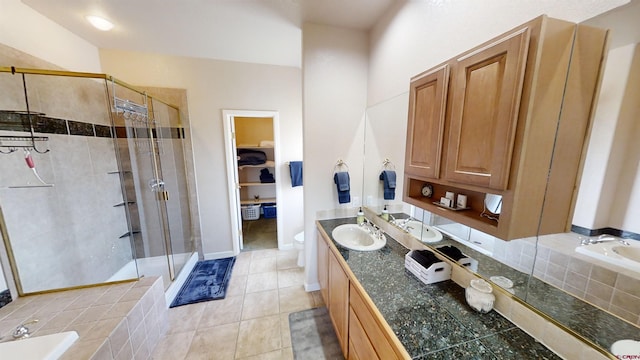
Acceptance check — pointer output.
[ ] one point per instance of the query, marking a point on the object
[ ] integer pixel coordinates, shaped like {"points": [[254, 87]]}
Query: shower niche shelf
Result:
{"points": [[125, 203], [129, 233]]}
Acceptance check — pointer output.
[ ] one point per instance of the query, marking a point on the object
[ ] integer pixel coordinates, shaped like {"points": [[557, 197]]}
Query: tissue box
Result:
{"points": [[436, 272]]}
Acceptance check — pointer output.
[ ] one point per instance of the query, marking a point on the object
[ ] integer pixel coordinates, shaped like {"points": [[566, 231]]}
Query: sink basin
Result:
{"points": [[46, 347], [358, 238], [626, 349], [629, 252], [423, 232]]}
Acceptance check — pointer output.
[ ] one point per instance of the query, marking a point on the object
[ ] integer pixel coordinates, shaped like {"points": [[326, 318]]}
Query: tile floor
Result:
{"points": [[252, 322]]}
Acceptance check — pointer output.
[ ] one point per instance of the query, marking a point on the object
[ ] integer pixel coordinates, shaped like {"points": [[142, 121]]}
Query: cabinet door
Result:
{"points": [[339, 301], [323, 268], [486, 89], [359, 345], [425, 127]]}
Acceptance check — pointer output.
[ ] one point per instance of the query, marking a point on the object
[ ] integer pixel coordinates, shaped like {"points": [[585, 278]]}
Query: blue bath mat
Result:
{"points": [[207, 281]]}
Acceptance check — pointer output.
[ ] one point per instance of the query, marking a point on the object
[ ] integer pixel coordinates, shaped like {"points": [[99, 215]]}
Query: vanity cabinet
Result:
{"points": [[516, 117], [339, 301], [361, 330]]}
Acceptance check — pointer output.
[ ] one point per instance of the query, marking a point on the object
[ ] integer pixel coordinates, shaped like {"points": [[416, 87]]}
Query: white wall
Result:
{"points": [[420, 34], [335, 80], [24, 29], [212, 86], [604, 163]]}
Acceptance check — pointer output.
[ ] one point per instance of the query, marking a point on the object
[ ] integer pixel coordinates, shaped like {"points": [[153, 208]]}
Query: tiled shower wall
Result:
{"points": [[67, 234]]}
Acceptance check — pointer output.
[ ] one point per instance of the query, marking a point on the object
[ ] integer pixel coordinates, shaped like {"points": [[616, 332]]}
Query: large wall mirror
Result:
{"points": [[596, 299]]}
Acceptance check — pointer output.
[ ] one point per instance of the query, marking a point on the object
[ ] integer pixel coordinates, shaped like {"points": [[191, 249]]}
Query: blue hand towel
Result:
{"points": [[389, 184], [295, 168], [342, 184]]}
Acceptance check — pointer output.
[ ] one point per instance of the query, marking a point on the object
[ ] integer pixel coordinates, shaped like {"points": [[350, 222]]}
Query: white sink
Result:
{"points": [[626, 349], [423, 232], [46, 347], [355, 237]]}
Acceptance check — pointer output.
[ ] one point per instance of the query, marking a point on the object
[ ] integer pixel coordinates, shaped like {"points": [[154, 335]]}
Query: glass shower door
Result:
{"points": [[169, 140]]}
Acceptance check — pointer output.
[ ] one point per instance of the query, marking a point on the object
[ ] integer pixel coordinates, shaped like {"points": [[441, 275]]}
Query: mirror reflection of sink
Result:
{"points": [[355, 237], [422, 232], [612, 252], [629, 252]]}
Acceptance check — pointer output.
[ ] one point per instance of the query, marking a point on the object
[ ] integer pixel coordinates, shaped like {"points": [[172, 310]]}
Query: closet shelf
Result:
{"points": [[255, 184], [257, 201], [268, 163]]}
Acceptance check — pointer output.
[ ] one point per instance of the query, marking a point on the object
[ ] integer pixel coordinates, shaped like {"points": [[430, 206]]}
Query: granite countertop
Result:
{"points": [[433, 321]]}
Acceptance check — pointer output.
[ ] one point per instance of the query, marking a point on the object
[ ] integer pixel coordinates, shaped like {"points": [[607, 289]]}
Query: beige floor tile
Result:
{"points": [[262, 265], [185, 318], [287, 263], [237, 285], [173, 346], [290, 277], [261, 254], [260, 304], [258, 336], [218, 343], [262, 282], [285, 330], [241, 267], [223, 311], [295, 299], [282, 354]]}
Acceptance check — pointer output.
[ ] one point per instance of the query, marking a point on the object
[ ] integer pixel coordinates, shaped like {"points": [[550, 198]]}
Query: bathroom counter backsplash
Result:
{"points": [[433, 321]]}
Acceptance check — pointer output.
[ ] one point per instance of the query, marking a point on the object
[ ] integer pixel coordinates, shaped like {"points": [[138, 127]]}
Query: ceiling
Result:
{"points": [[260, 31]]}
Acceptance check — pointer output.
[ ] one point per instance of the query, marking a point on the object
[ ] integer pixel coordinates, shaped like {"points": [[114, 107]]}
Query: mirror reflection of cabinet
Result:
{"points": [[501, 127]]}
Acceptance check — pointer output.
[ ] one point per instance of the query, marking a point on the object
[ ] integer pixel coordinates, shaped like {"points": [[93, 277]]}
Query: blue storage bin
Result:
{"points": [[269, 211]]}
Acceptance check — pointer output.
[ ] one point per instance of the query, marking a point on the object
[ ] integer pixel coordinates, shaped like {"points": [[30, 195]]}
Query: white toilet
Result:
{"points": [[298, 242]]}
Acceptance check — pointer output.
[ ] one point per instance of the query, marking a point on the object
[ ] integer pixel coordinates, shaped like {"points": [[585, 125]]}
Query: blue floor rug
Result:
{"points": [[207, 281]]}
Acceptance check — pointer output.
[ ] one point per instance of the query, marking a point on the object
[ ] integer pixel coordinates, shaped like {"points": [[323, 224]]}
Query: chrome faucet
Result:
{"points": [[372, 228], [21, 331], [601, 239]]}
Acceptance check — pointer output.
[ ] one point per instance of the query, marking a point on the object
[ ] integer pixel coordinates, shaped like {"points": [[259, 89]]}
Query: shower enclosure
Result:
{"points": [[93, 186]]}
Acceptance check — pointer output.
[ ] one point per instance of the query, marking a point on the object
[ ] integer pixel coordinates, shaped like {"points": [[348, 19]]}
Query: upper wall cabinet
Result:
{"points": [[509, 117], [485, 95], [425, 129]]}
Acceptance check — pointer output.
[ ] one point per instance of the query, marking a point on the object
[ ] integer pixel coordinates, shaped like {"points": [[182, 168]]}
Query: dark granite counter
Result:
{"points": [[433, 321]]}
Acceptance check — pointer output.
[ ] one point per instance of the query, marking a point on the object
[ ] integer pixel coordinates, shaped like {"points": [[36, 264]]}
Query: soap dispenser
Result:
{"points": [[360, 217], [385, 213]]}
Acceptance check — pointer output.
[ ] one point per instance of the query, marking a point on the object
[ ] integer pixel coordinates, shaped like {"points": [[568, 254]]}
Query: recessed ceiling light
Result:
{"points": [[99, 23]]}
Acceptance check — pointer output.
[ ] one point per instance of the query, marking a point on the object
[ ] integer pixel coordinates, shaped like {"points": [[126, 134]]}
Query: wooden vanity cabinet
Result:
{"points": [[518, 111], [339, 301], [360, 328], [323, 268]]}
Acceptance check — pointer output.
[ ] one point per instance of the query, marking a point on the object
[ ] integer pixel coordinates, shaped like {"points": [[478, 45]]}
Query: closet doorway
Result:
{"points": [[253, 170]]}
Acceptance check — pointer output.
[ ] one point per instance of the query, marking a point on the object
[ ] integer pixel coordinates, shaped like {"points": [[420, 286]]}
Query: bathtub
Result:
{"points": [[615, 253], [157, 266], [46, 347]]}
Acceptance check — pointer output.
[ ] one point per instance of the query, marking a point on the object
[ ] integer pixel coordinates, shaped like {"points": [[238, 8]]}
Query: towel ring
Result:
{"points": [[387, 165], [338, 165]]}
